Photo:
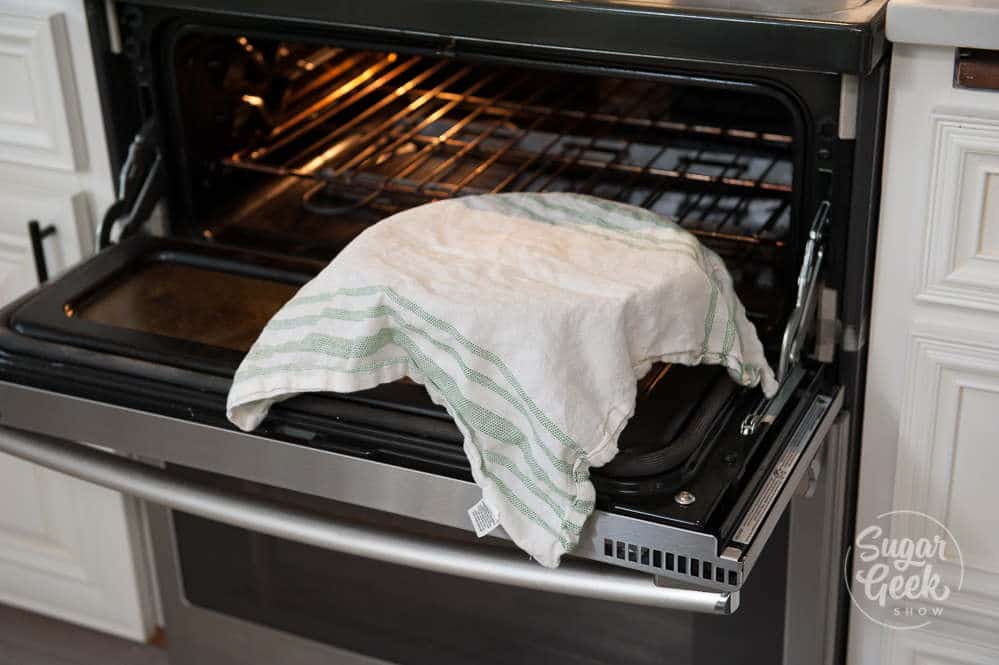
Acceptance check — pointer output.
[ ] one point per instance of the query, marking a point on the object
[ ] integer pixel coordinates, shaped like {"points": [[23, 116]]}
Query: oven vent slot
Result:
{"points": [[671, 564]]}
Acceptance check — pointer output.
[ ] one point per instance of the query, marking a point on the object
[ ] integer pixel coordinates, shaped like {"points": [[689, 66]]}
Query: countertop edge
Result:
{"points": [[958, 23]]}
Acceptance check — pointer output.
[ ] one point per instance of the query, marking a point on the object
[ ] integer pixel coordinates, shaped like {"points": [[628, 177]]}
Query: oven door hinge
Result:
{"points": [[797, 327], [789, 372], [769, 408], [140, 186]]}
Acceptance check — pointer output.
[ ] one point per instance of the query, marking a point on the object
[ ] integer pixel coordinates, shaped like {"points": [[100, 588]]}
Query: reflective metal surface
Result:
{"points": [[690, 556], [798, 326], [814, 568], [195, 631], [787, 464], [480, 563], [766, 7]]}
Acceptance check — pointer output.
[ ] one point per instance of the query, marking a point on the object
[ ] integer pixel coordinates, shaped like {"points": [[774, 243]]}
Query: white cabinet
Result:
{"points": [[39, 116], [931, 422], [67, 548], [68, 214]]}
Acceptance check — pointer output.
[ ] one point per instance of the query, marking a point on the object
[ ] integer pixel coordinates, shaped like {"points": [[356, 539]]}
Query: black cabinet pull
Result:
{"points": [[37, 234]]}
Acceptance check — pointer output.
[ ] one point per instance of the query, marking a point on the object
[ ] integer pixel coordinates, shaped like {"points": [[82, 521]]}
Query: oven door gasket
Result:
{"points": [[48, 313]]}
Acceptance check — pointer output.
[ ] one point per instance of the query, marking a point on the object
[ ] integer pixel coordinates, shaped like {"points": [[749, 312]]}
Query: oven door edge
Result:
{"points": [[487, 564], [610, 538]]}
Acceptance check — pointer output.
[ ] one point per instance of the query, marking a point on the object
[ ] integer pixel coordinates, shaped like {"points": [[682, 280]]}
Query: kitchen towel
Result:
{"points": [[530, 318]]}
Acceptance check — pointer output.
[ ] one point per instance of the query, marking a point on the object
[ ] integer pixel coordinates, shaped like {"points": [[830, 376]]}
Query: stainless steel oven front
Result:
{"points": [[256, 138], [366, 563]]}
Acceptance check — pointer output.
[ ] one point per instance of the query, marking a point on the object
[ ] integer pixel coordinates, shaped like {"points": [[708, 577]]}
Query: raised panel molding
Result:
{"points": [[78, 565], [947, 430], [925, 647], [39, 112], [66, 548], [16, 273], [933, 365], [74, 237], [960, 264], [31, 539], [13, 248]]}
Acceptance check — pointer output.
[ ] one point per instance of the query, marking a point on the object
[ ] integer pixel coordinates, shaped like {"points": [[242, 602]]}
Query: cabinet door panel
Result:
{"points": [[931, 407], [947, 456], [40, 125], [67, 548], [961, 251], [73, 237], [935, 648]]}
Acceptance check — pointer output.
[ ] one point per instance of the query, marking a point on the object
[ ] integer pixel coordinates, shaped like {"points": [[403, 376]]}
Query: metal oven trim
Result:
{"points": [[609, 538], [145, 481], [849, 40]]}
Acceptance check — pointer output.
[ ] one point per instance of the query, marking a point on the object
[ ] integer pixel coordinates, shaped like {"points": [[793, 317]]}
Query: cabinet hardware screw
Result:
{"points": [[684, 498]]}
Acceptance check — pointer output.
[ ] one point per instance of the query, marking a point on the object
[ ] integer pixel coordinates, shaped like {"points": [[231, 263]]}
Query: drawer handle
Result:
{"points": [[37, 233], [480, 562]]}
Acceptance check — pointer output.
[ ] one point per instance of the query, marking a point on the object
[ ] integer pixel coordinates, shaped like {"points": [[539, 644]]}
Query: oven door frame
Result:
{"points": [[623, 541]]}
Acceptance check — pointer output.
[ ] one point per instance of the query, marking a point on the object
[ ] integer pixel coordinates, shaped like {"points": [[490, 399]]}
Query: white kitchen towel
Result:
{"points": [[530, 318]]}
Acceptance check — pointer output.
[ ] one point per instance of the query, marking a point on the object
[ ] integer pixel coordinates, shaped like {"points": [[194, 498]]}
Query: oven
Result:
{"points": [[254, 140]]}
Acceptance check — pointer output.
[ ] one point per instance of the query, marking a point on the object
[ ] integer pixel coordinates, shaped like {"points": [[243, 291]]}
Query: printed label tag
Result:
{"points": [[483, 519]]}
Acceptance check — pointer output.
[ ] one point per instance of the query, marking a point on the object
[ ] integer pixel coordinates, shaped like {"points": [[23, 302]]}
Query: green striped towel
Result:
{"points": [[529, 317]]}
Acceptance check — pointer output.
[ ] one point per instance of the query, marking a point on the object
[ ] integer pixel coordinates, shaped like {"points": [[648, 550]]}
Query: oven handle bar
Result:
{"points": [[481, 562]]}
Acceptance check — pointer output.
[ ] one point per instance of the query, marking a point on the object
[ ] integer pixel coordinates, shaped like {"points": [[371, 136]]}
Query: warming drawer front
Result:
{"points": [[624, 541]]}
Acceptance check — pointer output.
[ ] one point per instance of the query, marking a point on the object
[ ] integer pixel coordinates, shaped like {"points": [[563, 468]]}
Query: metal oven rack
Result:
{"points": [[387, 132]]}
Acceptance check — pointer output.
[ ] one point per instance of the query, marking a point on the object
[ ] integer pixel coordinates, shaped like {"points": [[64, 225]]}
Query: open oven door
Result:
{"points": [[133, 376], [55, 419]]}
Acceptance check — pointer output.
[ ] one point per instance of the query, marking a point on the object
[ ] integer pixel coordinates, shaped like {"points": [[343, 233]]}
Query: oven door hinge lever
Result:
{"points": [[140, 186], [789, 372], [769, 408], [808, 279]]}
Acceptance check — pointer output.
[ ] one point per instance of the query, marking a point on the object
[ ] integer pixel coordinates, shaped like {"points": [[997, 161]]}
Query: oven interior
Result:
{"points": [[300, 147], [281, 152]]}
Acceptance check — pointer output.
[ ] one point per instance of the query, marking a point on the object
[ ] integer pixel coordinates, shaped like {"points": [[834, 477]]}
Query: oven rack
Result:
{"points": [[389, 132]]}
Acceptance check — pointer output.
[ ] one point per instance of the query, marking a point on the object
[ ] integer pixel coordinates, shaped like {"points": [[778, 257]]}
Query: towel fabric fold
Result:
{"points": [[529, 317]]}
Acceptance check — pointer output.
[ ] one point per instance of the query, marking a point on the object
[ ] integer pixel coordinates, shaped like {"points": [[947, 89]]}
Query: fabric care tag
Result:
{"points": [[483, 519]]}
